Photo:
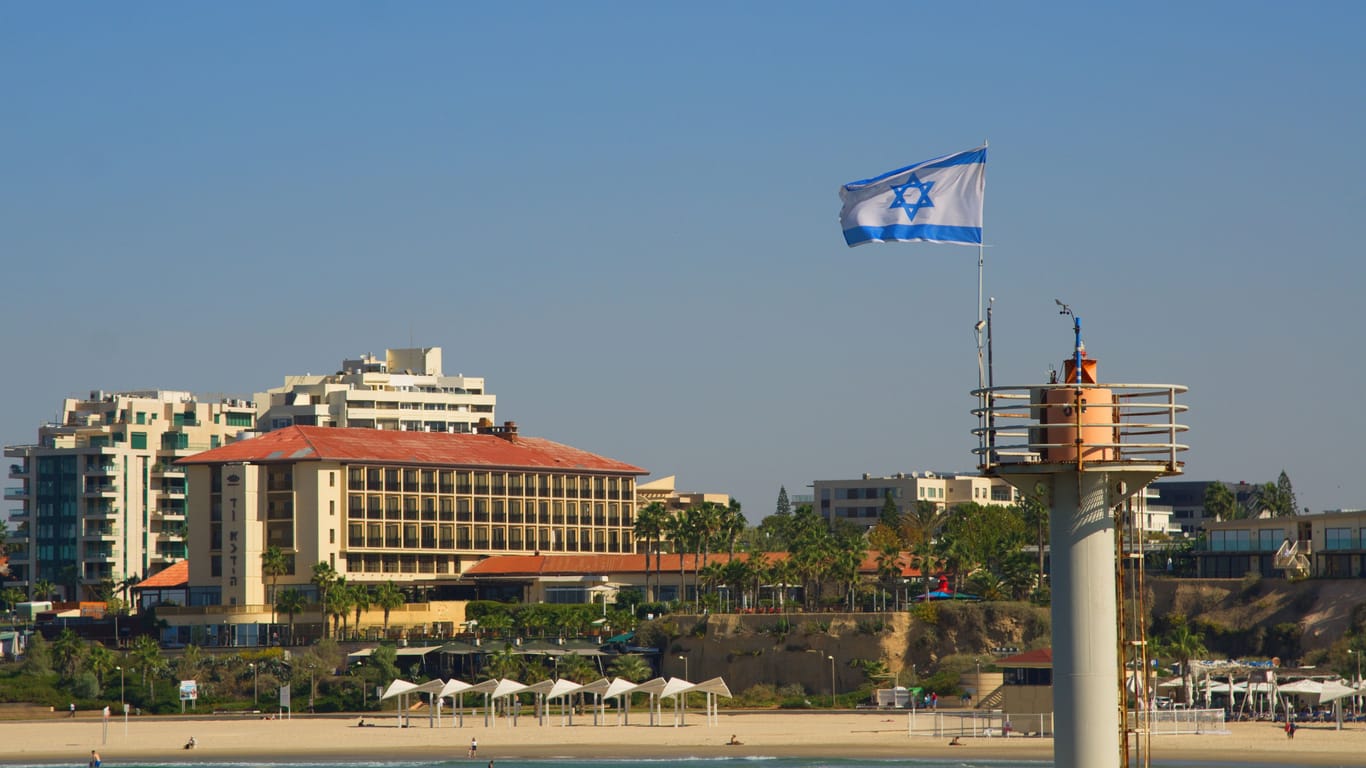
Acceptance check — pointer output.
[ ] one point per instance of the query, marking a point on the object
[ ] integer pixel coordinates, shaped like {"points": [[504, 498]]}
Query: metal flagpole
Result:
{"points": [[981, 371]]}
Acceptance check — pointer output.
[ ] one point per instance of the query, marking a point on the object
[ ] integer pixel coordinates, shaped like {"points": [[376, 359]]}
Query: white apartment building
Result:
{"points": [[860, 501], [404, 391], [98, 495]]}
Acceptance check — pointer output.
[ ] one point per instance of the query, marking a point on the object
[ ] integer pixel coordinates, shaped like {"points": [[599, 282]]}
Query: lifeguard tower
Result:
{"points": [[1083, 449]]}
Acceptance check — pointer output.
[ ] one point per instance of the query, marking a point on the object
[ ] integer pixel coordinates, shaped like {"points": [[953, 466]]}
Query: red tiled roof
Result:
{"points": [[422, 448], [1036, 657], [174, 575]]}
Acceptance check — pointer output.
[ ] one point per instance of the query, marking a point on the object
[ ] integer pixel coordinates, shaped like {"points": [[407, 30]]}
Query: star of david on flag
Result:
{"points": [[937, 201]]}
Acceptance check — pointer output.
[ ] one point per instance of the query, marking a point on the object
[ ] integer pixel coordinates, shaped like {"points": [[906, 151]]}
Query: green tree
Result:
{"points": [[383, 665], [68, 651], [291, 602], [811, 551], [890, 515], [1276, 498], [37, 656], [1182, 644], [361, 600], [631, 667], [43, 589], [681, 530], [503, 664], [339, 605], [101, 661], [274, 564], [389, 598], [784, 507], [577, 668], [324, 576], [649, 529], [1289, 505], [11, 597], [146, 656], [1220, 503], [732, 526]]}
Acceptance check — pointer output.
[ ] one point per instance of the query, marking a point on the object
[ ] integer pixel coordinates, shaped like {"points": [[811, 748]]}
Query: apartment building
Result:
{"points": [[1328, 545], [664, 491], [1187, 500], [418, 508], [99, 494], [860, 501], [405, 390]]}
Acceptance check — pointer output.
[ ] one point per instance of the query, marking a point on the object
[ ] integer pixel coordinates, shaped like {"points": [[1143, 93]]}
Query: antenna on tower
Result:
{"points": [[1078, 349]]}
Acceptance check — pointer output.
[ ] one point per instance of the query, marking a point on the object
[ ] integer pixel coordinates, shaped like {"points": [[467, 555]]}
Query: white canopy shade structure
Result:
{"points": [[487, 687], [677, 689], [653, 688], [564, 690], [456, 689], [504, 690], [597, 688], [432, 688], [714, 689], [398, 689], [618, 687]]}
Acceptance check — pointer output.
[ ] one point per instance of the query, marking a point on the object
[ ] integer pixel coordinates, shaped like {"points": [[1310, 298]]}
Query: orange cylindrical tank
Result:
{"points": [[1096, 422]]}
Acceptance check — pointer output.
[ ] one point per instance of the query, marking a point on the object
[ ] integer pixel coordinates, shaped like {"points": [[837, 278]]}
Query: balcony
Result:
{"points": [[171, 534], [101, 489], [18, 470], [173, 491], [101, 510], [166, 468], [103, 468], [16, 494], [101, 533]]}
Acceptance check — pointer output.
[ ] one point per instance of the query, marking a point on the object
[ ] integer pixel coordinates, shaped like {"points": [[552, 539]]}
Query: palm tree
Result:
{"points": [[42, 589], [1182, 644], [389, 597], [502, 664], [273, 566], [631, 667], [67, 651], [338, 605], [146, 655], [361, 600], [291, 602], [680, 530], [649, 528], [100, 660], [732, 525], [574, 667], [324, 576], [1035, 516]]}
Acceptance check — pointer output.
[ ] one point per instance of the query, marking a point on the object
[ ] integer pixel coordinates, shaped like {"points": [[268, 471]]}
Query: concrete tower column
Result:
{"points": [[1085, 638]]}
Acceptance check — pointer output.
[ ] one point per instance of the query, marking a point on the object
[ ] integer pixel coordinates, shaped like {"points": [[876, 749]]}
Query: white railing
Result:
{"points": [[1141, 424], [994, 724]]}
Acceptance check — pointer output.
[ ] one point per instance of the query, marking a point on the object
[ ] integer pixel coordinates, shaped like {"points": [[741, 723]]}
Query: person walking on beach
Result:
{"points": [[72, 709], [474, 747], [1289, 728]]}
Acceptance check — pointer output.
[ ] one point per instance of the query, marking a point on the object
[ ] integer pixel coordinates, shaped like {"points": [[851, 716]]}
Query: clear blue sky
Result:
{"points": [[623, 216]]}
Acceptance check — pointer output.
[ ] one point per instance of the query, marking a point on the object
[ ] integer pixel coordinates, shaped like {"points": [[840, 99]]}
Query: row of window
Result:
{"points": [[485, 537], [478, 510], [446, 481], [1269, 540]]}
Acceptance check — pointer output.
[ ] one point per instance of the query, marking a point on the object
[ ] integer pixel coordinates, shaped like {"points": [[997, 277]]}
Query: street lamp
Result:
{"points": [[832, 681], [685, 666], [255, 696], [120, 669]]}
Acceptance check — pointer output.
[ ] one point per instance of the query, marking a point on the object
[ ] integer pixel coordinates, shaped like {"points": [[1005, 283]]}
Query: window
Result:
{"points": [[139, 440], [1337, 538], [331, 535]]}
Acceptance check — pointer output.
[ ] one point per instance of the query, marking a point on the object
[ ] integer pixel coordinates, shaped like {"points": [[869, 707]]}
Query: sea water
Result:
{"points": [[700, 762]]}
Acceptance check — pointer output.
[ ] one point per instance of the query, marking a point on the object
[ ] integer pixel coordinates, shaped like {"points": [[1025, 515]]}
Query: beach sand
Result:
{"points": [[872, 734]]}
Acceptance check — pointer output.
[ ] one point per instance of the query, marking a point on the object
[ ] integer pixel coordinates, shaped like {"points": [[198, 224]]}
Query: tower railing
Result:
{"points": [[1142, 424]]}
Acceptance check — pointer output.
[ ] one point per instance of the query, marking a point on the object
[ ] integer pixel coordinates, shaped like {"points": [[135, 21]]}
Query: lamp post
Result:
{"points": [[255, 694], [684, 659], [832, 681], [120, 669], [1356, 700]]}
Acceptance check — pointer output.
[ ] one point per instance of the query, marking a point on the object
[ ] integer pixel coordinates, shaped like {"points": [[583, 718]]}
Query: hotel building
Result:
{"points": [[405, 390], [100, 496], [417, 508]]}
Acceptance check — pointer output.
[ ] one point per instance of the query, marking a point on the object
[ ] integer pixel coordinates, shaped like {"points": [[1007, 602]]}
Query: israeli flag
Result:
{"points": [[937, 201]]}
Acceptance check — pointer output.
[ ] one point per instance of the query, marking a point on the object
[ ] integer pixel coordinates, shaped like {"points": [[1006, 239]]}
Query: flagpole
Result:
{"points": [[981, 371]]}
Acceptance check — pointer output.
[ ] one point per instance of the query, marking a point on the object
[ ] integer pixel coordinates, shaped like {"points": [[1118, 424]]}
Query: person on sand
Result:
{"points": [[191, 743], [1289, 728], [954, 742], [734, 742], [94, 759], [474, 748]]}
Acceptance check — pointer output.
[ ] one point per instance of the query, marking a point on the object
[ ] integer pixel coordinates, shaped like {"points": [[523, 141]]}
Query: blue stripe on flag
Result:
{"points": [[937, 233], [978, 155]]}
